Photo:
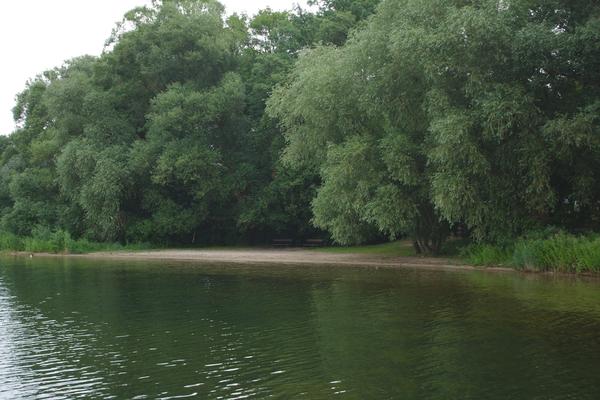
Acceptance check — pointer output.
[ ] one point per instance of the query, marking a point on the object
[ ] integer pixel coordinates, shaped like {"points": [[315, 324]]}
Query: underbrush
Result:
{"points": [[559, 252], [44, 241]]}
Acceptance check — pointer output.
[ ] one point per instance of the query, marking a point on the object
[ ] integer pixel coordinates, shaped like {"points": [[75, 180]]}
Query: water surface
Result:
{"points": [[103, 329]]}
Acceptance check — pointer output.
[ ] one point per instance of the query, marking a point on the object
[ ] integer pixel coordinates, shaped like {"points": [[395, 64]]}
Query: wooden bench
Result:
{"points": [[314, 243], [282, 242]]}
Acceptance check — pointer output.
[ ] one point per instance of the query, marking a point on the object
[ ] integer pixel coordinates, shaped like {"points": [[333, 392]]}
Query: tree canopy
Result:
{"points": [[442, 112], [163, 138], [357, 119]]}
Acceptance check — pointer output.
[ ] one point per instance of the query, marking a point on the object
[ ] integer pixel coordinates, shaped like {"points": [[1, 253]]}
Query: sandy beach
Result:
{"points": [[269, 256]]}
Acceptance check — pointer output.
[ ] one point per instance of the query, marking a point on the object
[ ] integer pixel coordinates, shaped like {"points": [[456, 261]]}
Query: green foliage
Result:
{"points": [[391, 249], [9, 241], [282, 208], [558, 252], [339, 117], [162, 138], [44, 240], [360, 119], [487, 255], [353, 201], [470, 112]]}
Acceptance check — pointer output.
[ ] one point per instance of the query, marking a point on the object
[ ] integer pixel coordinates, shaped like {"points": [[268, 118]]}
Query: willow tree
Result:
{"points": [[512, 98], [341, 117], [482, 112]]}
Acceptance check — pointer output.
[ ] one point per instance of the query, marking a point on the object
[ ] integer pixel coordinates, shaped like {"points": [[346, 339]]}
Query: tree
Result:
{"points": [[371, 168], [445, 111], [194, 155]]}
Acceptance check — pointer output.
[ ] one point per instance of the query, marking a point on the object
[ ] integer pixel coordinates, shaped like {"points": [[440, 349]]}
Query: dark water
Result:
{"points": [[81, 329]]}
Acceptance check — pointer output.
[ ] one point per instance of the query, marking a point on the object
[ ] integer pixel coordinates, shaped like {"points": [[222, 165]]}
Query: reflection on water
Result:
{"points": [[80, 329]]}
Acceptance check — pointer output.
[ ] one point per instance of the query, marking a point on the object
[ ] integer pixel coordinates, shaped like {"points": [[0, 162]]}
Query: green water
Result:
{"points": [[82, 329]]}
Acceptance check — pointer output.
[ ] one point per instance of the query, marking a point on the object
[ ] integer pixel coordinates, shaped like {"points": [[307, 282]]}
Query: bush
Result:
{"points": [[486, 254], [561, 252], [538, 252], [44, 240], [589, 256], [8, 242]]}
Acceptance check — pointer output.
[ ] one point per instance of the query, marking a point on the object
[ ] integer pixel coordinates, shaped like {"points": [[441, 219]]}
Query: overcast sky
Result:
{"points": [[36, 35]]}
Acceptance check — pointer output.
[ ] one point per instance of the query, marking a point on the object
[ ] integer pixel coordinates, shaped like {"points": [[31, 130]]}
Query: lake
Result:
{"points": [[74, 328]]}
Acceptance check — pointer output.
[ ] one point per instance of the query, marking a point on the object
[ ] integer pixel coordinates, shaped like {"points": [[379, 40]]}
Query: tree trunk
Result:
{"points": [[417, 247], [430, 231]]}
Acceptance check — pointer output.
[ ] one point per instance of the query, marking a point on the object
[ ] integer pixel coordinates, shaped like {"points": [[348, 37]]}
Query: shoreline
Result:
{"points": [[270, 256], [297, 257]]}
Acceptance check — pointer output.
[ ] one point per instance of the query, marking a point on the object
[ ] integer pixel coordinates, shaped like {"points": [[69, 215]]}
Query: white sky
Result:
{"points": [[36, 35]]}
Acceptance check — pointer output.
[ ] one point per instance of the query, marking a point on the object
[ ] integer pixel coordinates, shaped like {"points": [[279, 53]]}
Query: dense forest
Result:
{"points": [[355, 119]]}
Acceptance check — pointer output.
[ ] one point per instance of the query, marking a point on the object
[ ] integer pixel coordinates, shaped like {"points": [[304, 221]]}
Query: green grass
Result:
{"points": [[60, 242], [486, 255], [10, 242], [398, 248], [559, 252]]}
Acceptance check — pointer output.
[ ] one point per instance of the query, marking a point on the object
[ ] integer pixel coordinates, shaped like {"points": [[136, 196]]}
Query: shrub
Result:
{"points": [[486, 254], [44, 240], [11, 242], [538, 252]]}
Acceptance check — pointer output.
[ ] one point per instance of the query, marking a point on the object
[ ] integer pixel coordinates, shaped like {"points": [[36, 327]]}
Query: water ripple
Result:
{"points": [[90, 331]]}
